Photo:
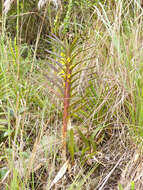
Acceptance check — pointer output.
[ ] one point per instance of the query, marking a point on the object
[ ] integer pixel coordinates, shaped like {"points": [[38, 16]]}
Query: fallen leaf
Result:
{"points": [[60, 174]]}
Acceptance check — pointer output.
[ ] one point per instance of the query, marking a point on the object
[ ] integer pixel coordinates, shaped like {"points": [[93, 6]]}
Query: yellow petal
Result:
{"points": [[68, 59]]}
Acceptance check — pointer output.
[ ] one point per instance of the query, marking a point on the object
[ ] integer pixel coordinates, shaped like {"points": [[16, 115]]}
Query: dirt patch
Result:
{"points": [[115, 156]]}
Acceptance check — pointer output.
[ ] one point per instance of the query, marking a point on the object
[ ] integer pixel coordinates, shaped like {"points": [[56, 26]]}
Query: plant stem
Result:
{"points": [[66, 107]]}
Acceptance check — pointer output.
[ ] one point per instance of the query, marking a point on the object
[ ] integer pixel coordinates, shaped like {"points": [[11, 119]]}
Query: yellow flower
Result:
{"points": [[62, 54], [62, 74], [69, 76], [68, 59], [71, 66], [62, 61]]}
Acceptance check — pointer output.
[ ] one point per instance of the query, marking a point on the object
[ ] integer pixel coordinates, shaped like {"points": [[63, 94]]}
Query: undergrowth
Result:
{"points": [[70, 83]]}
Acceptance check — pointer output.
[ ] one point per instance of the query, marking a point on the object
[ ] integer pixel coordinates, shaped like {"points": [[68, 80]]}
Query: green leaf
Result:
{"points": [[80, 180], [71, 144], [93, 143], [3, 128], [73, 81], [73, 44], [92, 90], [16, 48], [120, 187], [132, 185], [75, 86], [84, 150], [88, 157], [79, 108], [12, 50], [3, 172], [75, 115], [77, 102], [77, 72], [83, 137], [3, 121], [98, 128]]}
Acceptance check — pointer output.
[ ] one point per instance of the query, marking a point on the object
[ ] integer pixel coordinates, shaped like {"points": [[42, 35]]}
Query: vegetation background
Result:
{"points": [[71, 94]]}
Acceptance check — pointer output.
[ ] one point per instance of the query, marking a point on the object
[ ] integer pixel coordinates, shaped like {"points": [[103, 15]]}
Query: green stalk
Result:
{"points": [[17, 38]]}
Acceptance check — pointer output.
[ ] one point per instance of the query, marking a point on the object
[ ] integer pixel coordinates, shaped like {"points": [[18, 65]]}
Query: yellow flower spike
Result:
{"points": [[69, 76], [68, 60]]}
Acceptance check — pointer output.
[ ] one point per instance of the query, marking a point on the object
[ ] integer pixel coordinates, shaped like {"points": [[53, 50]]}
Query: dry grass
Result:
{"points": [[7, 5]]}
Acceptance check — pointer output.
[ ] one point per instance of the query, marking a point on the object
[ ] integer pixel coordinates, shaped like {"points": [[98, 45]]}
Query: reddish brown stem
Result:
{"points": [[66, 109]]}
